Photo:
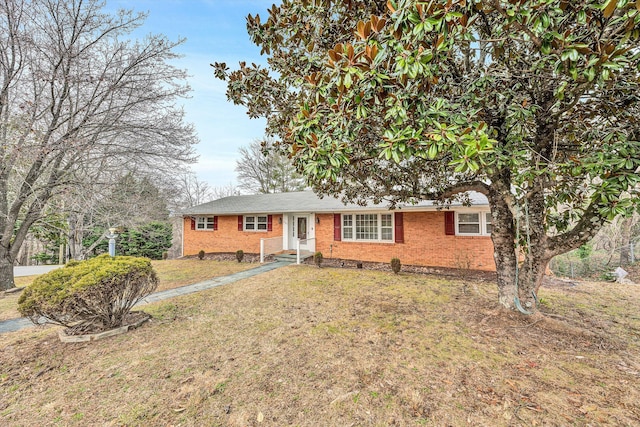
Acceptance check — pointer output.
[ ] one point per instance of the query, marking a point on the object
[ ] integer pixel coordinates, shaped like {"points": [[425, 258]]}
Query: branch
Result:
{"points": [[584, 230]]}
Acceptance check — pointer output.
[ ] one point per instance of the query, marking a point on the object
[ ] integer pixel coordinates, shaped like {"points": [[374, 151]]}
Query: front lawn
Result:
{"points": [[305, 346]]}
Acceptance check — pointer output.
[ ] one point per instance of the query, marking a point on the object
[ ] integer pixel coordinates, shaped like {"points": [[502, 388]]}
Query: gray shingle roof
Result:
{"points": [[301, 201]]}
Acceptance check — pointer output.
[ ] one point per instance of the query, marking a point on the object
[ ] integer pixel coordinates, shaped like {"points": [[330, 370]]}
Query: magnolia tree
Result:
{"points": [[533, 103], [76, 95]]}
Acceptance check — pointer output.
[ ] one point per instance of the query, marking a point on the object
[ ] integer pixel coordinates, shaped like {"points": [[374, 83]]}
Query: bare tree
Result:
{"points": [[218, 192], [189, 191], [264, 169], [75, 96]]}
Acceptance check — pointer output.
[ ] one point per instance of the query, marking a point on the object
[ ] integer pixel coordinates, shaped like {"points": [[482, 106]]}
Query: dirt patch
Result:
{"points": [[336, 346]]}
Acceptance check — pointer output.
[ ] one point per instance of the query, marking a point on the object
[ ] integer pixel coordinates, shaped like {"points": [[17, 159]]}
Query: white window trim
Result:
{"points": [[256, 230], [353, 227], [203, 220], [483, 222]]}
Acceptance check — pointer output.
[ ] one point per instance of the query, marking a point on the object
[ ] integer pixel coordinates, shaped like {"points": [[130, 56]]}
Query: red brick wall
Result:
{"points": [[227, 238], [424, 244]]}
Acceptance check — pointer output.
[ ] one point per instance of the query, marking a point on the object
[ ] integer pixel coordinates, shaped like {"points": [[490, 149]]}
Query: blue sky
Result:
{"points": [[216, 32]]}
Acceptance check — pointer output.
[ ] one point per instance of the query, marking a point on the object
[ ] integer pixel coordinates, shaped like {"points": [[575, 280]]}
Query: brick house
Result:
{"points": [[457, 237]]}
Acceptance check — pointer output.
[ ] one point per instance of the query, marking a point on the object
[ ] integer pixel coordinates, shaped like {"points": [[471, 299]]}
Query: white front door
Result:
{"points": [[301, 229]]}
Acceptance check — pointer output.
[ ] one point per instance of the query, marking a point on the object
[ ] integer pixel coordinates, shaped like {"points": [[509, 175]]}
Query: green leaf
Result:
{"points": [[396, 156], [347, 81], [612, 66], [433, 151], [573, 55], [545, 48]]}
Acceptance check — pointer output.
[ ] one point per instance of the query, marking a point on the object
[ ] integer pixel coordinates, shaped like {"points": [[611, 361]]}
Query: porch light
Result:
{"points": [[317, 220]]}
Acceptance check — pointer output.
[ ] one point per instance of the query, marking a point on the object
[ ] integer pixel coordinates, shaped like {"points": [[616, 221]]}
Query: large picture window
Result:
{"points": [[372, 227], [473, 223], [255, 223], [204, 223]]}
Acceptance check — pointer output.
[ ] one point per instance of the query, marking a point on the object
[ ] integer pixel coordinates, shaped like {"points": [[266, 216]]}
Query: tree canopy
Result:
{"points": [[533, 103]]}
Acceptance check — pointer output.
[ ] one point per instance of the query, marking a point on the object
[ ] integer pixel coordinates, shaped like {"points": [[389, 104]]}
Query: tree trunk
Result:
{"points": [[75, 236], [518, 283], [504, 256], [523, 281], [6, 274], [529, 282], [625, 253]]}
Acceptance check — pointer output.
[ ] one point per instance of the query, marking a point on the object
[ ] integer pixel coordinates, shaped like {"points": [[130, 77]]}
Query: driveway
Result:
{"points": [[33, 270]]}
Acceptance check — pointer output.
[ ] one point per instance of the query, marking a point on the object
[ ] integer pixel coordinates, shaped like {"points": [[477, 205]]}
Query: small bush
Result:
{"points": [[608, 276], [317, 259], [239, 255], [165, 255], [201, 255], [395, 265], [92, 295]]}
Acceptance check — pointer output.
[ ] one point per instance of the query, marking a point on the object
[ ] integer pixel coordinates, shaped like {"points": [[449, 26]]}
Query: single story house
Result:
{"points": [[422, 234]]}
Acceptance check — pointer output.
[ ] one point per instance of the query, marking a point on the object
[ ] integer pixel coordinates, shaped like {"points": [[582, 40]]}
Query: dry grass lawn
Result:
{"points": [[301, 346], [172, 274]]}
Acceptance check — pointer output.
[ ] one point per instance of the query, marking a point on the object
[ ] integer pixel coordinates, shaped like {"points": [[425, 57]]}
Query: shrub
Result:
{"points": [[148, 240], [395, 265], [201, 255], [317, 259], [165, 255], [608, 276], [90, 295], [240, 255]]}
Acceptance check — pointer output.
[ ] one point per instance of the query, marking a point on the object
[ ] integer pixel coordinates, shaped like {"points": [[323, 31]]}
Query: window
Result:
{"points": [[367, 227], [204, 223], [347, 227], [256, 223], [386, 227], [488, 226], [473, 223], [468, 223]]}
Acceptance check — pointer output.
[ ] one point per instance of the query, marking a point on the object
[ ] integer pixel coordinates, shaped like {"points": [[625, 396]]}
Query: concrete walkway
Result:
{"points": [[22, 323]]}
